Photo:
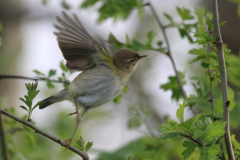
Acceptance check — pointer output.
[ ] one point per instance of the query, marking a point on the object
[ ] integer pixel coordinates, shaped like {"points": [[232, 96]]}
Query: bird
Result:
{"points": [[103, 73]]}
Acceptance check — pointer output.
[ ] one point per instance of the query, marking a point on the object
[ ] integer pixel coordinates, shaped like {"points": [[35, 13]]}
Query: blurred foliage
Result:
{"points": [[173, 86], [238, 4], [115, 9]]}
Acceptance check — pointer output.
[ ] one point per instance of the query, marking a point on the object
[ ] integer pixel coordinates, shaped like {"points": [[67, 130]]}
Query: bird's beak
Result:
{"points": [[140, 57]]}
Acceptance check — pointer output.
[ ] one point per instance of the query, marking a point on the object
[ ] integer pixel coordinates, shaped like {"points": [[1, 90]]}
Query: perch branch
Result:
{"points": [[30, 78], [37, 130]]}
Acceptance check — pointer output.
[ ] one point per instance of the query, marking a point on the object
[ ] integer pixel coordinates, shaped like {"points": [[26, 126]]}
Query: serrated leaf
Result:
{"points": [[210, 152], [172, 85], [88, 146], [38, 72], [214, 130], [185, 14], [24, 107], [180, 111]]}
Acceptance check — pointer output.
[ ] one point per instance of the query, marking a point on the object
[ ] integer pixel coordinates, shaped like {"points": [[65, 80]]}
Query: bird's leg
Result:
{"points": [[78, 118]]}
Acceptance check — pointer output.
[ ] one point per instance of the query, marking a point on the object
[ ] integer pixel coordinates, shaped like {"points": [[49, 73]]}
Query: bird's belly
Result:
{"points": [[101, 92]]}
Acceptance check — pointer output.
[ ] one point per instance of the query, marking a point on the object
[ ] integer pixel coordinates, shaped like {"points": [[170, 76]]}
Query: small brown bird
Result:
{"points": [[103, 74]]}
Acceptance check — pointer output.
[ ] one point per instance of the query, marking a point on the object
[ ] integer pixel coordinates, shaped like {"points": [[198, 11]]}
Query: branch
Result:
{"points": [[200, 144], [37, 130], [13, 130], [226, 102], [30, 78], [169, 53], [211, 80], [3, 140]]}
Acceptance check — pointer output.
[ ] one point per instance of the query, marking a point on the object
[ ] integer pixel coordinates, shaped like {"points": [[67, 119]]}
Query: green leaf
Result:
{"points": [[140, 8], [24, 107], [172, 85], [52, 73], [49, 84], [80, 142], [118, 99], [214, 130], [63, 67], [210, 152], [89, 3], [180, 111], [150, 37], [193, 120], [37, 104], [65, 5], [28, 86], [88, 146], [191, 146], [167, 16], [38, 72], [125, 89], [170, 135], [222, 23], [184, 13], [26, 102]]}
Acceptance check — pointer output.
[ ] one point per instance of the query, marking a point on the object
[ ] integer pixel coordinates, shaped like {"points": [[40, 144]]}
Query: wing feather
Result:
{"points": [[79, 48]]}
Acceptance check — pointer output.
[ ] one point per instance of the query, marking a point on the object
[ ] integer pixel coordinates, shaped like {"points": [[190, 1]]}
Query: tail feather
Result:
{"points": [[46, 102], [60, 96]]}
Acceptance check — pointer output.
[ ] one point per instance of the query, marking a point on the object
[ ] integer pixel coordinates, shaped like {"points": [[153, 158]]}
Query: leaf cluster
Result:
{"points": [[196, 127], [31, 94], [115, 9], [81, 145], [52, 73], [135, 45], [173, 86]]}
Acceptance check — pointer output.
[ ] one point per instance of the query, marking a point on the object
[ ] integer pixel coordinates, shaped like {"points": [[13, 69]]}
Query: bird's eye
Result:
{"points": [[132, 61]]}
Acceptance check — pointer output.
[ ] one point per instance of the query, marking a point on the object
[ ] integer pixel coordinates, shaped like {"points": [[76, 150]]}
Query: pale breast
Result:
{"points": [[97, 87]]}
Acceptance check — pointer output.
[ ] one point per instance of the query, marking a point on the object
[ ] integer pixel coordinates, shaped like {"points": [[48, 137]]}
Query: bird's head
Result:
{"points": [[127, 60]]}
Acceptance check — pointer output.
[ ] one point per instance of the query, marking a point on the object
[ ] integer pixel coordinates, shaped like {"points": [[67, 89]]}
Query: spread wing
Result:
{"points": [[79, 48]]}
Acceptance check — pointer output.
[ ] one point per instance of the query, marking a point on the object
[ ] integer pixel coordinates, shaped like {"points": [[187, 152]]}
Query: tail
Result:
{"points": [[58, 97]]}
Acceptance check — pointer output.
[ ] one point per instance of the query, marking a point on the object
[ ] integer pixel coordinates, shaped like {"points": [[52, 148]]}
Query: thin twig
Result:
{"points": [[199, 143], [30, 78], [169, 53], [3, 140], [211, 81], [223, 75], [37, 130], [13, 130]]}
